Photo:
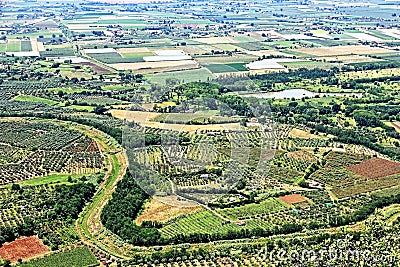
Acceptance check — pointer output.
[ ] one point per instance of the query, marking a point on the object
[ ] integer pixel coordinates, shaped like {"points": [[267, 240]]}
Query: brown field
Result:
{"points": [[293, 199], [23, 248], [138, 116], [96, 68], [154, 67], [297, 133], [349, 59], [35, 45], [157, 211], [302, 155], [343, 50], [396, 125], [144, 118], [375, 168], [369, 73]]}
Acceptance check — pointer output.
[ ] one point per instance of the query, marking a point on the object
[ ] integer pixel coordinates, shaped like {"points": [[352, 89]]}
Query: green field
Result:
{"points": [[230, 67], [137, 57], [267, 206], [114, 57], [183, 76], [201, 222], [3, 47], [14, 46], [26, 46], [30, 98], [58, 52], [54, 179], [78, 257], [81, 108]]}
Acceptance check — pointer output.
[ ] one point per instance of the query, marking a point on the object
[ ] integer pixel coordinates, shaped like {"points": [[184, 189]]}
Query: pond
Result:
{"points": [[297, 94]]}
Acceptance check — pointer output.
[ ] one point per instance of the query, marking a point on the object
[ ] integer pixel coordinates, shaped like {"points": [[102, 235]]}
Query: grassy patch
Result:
{"points": [[113, 57], [29, 98], [183, 76], [247, 211], [26, 46], [54, 178], [81, 108], [221, 68], [14, 46]]}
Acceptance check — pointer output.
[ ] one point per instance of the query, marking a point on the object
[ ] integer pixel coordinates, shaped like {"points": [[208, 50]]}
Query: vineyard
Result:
{"points": [[259, 253], [269, 217], [78, 257]]}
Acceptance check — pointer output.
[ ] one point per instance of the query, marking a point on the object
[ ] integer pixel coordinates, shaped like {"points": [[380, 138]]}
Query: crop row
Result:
{"points": [[36, 135], [42, 163]]}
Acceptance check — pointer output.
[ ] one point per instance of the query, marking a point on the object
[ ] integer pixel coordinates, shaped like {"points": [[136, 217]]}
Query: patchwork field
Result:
{"points": [[266, 125]]}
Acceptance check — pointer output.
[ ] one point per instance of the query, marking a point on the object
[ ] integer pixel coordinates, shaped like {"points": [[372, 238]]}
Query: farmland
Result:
{"points": [[198, 133], [79, 257], [377, 168], [23, 248]]}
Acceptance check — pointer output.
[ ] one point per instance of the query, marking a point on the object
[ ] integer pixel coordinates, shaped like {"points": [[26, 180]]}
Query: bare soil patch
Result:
{"points": [[295, 199], [157, 211], [375, 168], [96, 68], [23, 248]]}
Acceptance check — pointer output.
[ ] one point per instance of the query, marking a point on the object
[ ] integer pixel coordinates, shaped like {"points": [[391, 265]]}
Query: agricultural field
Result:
{"points": [[23, 248], [32, 149], [183, 76], [348, 175], [343, 50], [29, 98], [222, 68], [248, 211], [135, 133], [79, 257]]}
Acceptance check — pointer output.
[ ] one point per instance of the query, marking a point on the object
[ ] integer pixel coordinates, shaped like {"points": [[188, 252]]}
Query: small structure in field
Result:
{"points": [[241, 223]]}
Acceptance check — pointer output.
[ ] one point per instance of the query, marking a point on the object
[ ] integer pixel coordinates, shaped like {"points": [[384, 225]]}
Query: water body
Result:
{"points": [[298, 94]]}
